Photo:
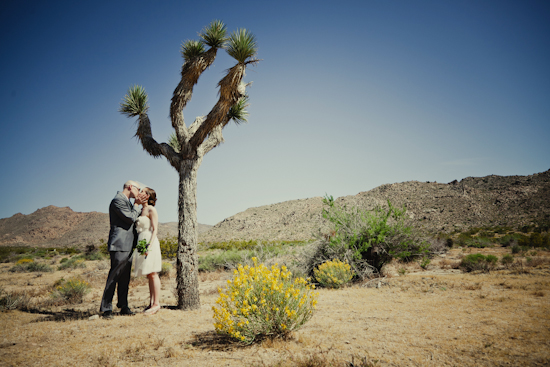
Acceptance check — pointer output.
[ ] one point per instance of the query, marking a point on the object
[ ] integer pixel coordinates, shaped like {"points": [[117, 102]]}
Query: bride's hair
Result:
{"points": [[152, 196]]}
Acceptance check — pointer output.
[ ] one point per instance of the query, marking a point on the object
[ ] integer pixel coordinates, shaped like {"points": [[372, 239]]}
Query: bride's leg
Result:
{"points": [[156, 290], [150, 277]]}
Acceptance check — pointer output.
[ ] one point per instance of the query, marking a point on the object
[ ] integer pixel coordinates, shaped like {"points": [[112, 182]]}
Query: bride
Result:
{"points": [[150, 263]]}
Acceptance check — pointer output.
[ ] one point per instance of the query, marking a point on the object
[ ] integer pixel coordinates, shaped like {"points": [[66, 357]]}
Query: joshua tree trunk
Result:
{"points": [[187, 260], [188, 145]]}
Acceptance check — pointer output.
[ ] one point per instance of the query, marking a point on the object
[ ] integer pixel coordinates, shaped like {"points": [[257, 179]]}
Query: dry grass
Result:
{"points": [[425, 318]]}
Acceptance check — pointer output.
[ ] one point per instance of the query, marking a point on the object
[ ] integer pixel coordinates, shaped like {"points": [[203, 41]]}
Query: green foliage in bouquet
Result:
{"points": [[333, 274], [142, 247], [261, 302]]}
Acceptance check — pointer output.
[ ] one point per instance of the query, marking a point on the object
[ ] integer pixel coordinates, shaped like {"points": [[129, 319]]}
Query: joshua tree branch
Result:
{"points": [[190, 73], [195, 125], [151, 146], [214, 139], [229, 95]]}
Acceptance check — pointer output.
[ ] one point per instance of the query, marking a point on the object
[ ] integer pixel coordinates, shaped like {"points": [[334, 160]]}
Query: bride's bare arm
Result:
{"points": [[153, 215]]}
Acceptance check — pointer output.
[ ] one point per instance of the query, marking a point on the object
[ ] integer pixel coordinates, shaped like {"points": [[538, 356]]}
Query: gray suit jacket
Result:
{"points": [[122, 215]]}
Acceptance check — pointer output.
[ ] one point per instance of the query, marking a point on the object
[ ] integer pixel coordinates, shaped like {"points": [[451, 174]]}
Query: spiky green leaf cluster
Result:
{"points": [[174, 143], [214, 35], [191, 49], [134, 102], [242, 45], [238, 112]]}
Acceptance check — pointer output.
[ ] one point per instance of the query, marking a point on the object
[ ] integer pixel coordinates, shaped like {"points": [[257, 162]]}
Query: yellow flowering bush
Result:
{"points": [[24, 261], [333, 274], [261, 302]]}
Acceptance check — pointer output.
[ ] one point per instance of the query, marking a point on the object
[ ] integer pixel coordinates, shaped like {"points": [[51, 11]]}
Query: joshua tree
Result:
{"points": [[188, 145]]}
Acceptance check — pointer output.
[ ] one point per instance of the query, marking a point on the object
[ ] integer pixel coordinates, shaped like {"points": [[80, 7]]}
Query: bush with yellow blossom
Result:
{"points": [[333, 274], [261, 302]]}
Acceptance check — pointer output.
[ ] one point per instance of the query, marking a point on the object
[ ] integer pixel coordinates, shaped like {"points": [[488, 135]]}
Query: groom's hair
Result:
{"points": [[130, 183]]}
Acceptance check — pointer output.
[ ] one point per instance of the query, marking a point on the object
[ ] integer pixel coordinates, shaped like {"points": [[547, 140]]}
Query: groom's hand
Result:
{"points": [[139, 200]]}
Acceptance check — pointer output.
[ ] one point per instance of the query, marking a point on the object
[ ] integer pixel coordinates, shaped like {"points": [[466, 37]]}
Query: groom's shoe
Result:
{"points": [[126, 311], [108, 315]]}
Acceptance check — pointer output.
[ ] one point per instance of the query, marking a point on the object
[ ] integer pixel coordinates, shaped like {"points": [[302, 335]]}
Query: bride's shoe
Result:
{"points": [[152, 310]]}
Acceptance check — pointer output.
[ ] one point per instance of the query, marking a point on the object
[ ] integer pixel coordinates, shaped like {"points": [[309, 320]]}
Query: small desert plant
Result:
{"points": [[166, 269], [260, 302], [12, 300], [72, 263], [72, 290], [333, 274], [536, 261], [425, 262], [507, 259], [481, 262], [24, 261], [29, 265], [93, 253], [169, 247]]}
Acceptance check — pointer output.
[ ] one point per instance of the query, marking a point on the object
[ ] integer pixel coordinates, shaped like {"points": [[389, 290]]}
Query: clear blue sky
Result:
{"points": [[349, 95]]}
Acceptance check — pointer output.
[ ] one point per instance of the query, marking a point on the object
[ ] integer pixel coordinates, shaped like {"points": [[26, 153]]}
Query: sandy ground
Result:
{"points": [[438, 317]]}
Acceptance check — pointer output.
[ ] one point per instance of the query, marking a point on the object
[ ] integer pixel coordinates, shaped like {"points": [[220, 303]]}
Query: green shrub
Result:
{"points": [[475, 262], [30, 266], [507, 259], [260, 302], [103, 248], [169, 247], [333, 274], [425, 262], [230, 259], [166, 269], [72, 290], [367, 240], [93, 253], [478, 242], [13, 300], [72, 263]]}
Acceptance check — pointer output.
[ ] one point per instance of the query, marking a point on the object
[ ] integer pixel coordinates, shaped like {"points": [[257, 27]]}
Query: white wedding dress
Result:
{"points": [[153, 262]]}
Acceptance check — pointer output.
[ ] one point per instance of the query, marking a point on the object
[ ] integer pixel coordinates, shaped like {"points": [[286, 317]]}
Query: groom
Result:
{"points": [[122, 240]]}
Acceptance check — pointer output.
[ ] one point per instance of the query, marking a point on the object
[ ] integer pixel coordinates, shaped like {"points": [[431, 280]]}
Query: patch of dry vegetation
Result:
{"points": [[433, 317]]}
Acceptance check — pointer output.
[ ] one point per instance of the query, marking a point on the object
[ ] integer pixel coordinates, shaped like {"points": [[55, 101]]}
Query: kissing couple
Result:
{"points": [[130, 224]]}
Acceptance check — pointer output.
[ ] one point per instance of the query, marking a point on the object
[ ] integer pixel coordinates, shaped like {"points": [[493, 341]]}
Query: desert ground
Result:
{"points": [[411, 317]]}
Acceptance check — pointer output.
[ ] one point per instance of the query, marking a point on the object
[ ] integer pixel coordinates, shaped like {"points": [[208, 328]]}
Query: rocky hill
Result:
{"points": [[433, 207], [59, 227]]}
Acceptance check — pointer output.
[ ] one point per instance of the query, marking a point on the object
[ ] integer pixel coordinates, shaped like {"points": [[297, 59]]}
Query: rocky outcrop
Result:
{"points": [[433, 207]]}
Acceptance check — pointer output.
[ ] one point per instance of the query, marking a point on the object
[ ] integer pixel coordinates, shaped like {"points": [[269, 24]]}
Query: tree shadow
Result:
{"points": [[210, 340], [65, 315]]}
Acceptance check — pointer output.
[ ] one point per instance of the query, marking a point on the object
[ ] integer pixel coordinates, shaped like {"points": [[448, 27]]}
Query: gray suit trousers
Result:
{"points": [[119, 278]]}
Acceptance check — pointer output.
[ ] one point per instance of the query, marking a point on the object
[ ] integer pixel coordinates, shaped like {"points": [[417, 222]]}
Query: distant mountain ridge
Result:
{"points": [[433, 207], [63, 227]]}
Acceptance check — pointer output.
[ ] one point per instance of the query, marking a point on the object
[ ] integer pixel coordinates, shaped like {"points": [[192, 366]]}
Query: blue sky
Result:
{"points": [[349, 95]]}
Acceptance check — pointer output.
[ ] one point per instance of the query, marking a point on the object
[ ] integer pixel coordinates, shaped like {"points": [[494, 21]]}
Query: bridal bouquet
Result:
{"points": [[142, 247]]}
